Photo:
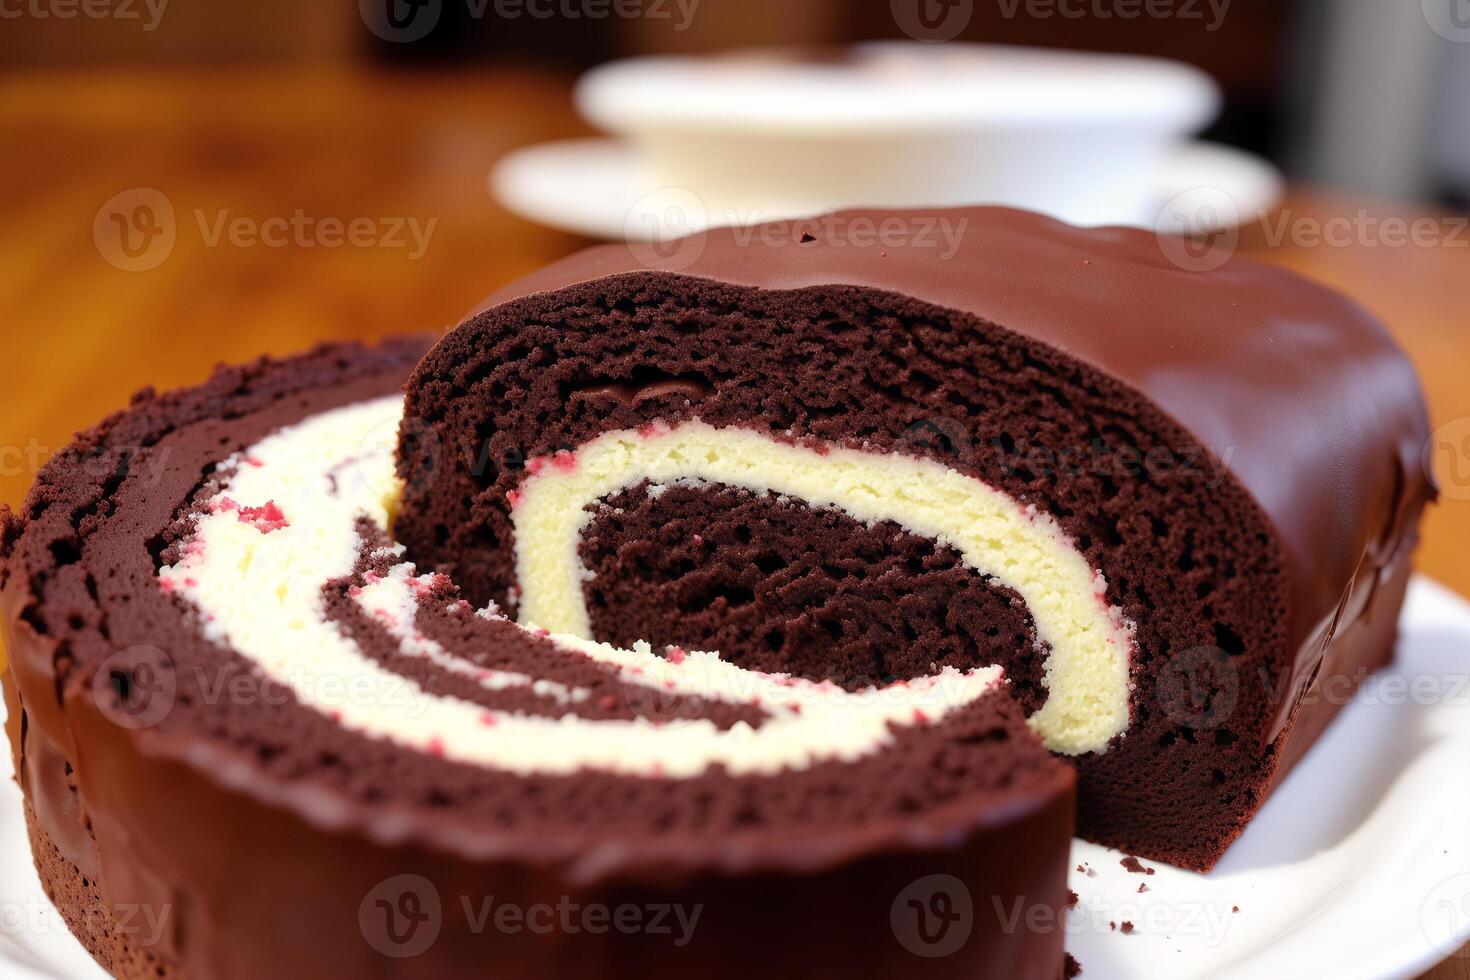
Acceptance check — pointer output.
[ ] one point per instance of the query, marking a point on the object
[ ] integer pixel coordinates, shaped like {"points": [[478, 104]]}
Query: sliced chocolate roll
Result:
{"points": [[1175, 506], [256, 740]]}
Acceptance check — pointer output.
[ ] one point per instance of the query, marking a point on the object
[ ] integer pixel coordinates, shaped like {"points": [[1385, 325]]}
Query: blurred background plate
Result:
{"points": [[1357, 867], [599, 188]]}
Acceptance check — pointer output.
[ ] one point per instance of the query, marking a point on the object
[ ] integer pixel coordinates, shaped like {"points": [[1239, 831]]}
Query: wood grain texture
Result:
{"points": [[81, 334]]}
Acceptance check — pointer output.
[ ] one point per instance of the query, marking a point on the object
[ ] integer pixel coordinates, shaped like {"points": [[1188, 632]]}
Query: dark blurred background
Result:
{"points": [[1345, 92]]}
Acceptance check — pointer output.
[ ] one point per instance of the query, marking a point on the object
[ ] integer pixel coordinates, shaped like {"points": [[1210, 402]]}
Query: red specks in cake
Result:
{"points": [[194, 548], [191, 582], [222, 505], [436, 746], [371, 578], [514, 496], [652, 430], [167, 585], [264, 519], [698, 540], [677, 655], [488, 719], [541, 632], [254, 461], [563, 461], [1131, 863], [335, 715], [354, 591], [608, 702], [427, 585], [920, 718]]}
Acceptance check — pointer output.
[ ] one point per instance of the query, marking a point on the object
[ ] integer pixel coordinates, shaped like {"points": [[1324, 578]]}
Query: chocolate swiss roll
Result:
{"points": [[1175, 507], [258, 738]]}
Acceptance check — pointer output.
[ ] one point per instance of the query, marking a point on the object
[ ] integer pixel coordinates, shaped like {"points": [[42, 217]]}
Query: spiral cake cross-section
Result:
{"points": [[794, 600]]}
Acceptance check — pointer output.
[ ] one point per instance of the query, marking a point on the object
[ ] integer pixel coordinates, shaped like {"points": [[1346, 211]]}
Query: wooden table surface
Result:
{"points": [[83, 331]]}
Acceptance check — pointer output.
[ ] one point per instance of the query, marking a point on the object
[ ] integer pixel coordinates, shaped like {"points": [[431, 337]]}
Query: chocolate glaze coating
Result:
{"points": [[214, 812]]}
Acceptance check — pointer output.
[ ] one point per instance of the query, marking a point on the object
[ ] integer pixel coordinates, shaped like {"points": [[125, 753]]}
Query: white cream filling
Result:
{"points": [[1086, 669], [257, 583]]}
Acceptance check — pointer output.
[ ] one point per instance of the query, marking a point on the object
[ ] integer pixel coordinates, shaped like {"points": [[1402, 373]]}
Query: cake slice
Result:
{"points": [[255, 740], [1177, 507]]}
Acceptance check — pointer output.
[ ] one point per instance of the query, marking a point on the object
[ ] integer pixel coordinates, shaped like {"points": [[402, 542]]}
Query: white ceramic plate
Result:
{"points": [[598, 188], [1358, 867]]}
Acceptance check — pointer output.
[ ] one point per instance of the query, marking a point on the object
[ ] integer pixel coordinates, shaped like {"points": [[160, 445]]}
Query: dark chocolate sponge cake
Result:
{"points": [[255, 741], [1177, 507]]}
